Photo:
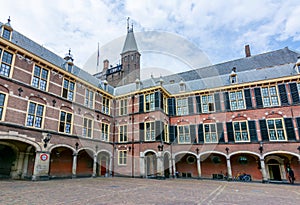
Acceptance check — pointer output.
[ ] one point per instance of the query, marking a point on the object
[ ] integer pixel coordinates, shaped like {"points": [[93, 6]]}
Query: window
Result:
{"points": [[165, 104], [270, 97], [122, 157], [2, 102], [68, 90], [184, 134], [236, 99], [105, 132], [40, 78], [89, 98], [166, 133], [69, 67], [123, 133], [6, 60], [240, 130], [65, 122], [149, 101], [276, 131], [208, 104], [210, 133], [35, 115], [87, 130], [123, 107], [105, 105], [6, 34], [150, 131], [182, 106]]}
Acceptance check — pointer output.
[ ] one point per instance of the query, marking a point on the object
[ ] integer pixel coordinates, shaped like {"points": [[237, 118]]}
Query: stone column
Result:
{"points": [[229, 171], [199, 167], [263, 171], [142, 165], [74, 165], [95, 166], [174, 167], [18, 168], [25, 165], [41, 166], [170, 167], [160, 172], [110, 166]]}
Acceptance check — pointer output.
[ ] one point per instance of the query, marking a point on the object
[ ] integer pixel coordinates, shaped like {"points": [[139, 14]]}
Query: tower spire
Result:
{"points": [[128, 24]]}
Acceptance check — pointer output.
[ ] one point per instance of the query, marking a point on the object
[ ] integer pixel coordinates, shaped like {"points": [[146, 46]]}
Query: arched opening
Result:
{"points": [[186, 166], [213, 165], [151, 165], [103, 164], [85, 161], [61, 161], [167, 165], [7, 160]]}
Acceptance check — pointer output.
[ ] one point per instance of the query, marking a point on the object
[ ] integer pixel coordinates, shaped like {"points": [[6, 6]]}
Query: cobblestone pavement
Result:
{"points": [[145, 191]]}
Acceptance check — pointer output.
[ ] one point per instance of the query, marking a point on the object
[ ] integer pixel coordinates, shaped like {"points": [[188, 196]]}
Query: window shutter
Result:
{"points": [[141, 104], [158, 131], [217, 102], [220, 132], [226, 101], [171, 106], [193, 134], [252, 131], [264, 130], [294, 93], [198, 104], [156, 100], [298, 124], [289, 127], [283, 95], [258, 99], [230, 132], [141, 132], [248, 98], [191, 105], [200, 134], [161, 101], [172, 134]]}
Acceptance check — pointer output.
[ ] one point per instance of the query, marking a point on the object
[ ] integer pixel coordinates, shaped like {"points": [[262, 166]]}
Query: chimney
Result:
{"points": [[105, 65], [247, 51]]}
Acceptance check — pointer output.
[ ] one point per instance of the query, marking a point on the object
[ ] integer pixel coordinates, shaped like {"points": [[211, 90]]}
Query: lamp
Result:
{"points": [[298, 148], [47, 139], [160, 147], [227, 150], [20, 90], [129, 148], [261, 148], [197, 150], [53, 102], [76, 145]]}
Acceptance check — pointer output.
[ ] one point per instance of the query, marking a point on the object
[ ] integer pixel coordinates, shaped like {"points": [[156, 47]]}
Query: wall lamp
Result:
{"points": [[129, 148], [197, 150], [227, 150], [261, 147], [160, 147], [47, 139], [76, 146], [20, 90], [298, 148], [53, 102]]}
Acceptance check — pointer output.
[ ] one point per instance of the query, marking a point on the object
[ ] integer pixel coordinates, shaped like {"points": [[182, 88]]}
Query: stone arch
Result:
{"points": [[150, 157], [61, 145], [22, 138], [61, 161], [103, 162], [186, 164]]}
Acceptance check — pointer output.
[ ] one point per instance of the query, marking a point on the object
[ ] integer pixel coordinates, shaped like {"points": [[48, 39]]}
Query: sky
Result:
{"points": [[217, 30]]}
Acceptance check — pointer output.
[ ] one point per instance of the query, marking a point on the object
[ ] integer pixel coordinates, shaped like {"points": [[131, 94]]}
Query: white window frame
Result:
{"points": [[3, 107], [105, 132], [89, 98], [68, 90], [122, 157], [87, 128], [66, 122], [123, 107], [149, 102], [210, 135], [240, 134], [237, 100], [208, 102], [105, 105], [149, 131], [123, 136], [4, 66], [184, 136], [270, 96], [39, 81], [182, 106], [35, 116], [274, 136]]}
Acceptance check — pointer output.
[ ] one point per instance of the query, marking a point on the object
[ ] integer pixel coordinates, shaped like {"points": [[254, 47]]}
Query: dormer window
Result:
{"points": [[69, 61], [182, 86], [69, 67], [6, 30], [6, 34], [233, 76]]}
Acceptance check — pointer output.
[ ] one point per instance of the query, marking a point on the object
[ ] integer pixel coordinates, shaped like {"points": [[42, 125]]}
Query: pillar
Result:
{"points": [[160, 166], [174, 167], [199, 167], [263, 171], [95, 166], [74, 165], [142, 165], [229, 171], [41, 166], [110, 166], [25, 165], [170, 167], [18, 168]]}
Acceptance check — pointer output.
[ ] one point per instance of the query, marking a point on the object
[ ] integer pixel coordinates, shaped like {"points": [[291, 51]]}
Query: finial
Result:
{"points": [[69, 51], [8, 20], [128, 24]]}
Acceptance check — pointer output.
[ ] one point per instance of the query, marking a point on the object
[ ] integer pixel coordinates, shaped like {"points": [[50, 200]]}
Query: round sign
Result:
{"points": [[44, 157]]}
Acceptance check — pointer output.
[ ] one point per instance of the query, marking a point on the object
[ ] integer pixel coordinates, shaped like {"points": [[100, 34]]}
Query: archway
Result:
{"points": [[7, 159], [167, 165], [151, 164], [85, 161], [186, 165], [61, 161], [103, 164], [213, 165]]}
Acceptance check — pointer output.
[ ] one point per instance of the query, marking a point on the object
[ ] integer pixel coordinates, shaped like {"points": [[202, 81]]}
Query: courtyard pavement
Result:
{"points": [[146, 191]]}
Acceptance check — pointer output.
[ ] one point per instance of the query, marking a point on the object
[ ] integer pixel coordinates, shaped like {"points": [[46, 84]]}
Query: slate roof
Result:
{"points": [[130, 42]]}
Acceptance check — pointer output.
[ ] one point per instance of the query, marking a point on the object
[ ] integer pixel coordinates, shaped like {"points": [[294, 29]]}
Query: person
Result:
{"points": [[291, 175]]}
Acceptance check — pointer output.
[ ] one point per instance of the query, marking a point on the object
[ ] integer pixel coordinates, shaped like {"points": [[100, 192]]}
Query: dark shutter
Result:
{"points": [[252, 131], [172, 134], [157, 100], [220, 132], [283, 96], [193, 134], [158, 136], [230, 134], [294, 92], [161, 101], [171, 106], [258, 99], [200, 133], [198, 104], [264, 130], [217, 102], [191, 105], [248, 98], [289, 127], [226, 101], [141, 103], [298, 124], [141, 132]]}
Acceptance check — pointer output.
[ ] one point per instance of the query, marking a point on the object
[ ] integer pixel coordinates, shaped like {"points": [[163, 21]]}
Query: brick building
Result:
{"points": [[56, 120]]}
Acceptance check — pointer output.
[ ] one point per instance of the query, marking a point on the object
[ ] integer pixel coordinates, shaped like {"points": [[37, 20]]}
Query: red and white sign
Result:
{"points": [[44, 157]]}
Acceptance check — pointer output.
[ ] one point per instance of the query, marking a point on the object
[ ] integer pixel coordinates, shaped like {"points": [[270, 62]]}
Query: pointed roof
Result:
{"points": [[130, 43]]}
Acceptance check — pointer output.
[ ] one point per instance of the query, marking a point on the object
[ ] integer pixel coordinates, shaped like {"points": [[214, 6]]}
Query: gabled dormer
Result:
{"points": [[6, 30], [233, 76], [69, 61], [297, 65]]}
